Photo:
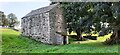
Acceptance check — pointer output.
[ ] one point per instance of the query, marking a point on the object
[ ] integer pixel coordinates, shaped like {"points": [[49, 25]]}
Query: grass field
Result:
{"points": [[14, 43]]}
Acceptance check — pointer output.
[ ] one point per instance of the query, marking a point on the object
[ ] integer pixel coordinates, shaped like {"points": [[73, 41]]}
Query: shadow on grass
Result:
{"points": [[14, 43]]}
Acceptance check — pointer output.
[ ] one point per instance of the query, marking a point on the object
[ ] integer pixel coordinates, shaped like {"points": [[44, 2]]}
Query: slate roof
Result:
{"points": [[41, 10]]}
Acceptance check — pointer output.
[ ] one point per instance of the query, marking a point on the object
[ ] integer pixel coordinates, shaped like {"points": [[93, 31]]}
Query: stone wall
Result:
{"points": [[37, 26], [57, 24], [43, 27]]}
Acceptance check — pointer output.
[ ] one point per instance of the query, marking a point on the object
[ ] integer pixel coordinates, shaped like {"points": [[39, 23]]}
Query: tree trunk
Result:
{"points": [[79, 35], [114, 38]]}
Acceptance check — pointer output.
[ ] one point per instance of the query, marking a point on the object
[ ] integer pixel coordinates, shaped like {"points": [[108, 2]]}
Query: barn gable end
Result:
{"points": [[43, 23]]}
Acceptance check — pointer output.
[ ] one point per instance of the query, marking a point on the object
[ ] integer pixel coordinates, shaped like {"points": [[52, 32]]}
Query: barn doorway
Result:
{"points": [[64, 40]]}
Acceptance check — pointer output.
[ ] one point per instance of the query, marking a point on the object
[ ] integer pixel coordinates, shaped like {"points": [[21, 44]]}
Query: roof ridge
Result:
{"points": [[47, 6], [41, 10]]}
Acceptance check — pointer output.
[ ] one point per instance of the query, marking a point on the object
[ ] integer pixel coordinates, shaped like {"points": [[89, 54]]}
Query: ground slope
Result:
{"points": [[14, 43]]}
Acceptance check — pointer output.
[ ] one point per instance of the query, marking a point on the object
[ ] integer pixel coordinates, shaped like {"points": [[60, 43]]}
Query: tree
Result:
{"points": [[80, 15], [107, 13], [115, 16], [12, 20], [3, 20]]}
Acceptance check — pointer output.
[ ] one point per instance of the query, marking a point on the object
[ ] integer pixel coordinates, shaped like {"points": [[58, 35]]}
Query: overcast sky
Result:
{"points": [[21, 7]]}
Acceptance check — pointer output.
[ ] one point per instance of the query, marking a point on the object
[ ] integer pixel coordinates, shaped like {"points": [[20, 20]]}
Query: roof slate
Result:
{"points": [[41, 10]]}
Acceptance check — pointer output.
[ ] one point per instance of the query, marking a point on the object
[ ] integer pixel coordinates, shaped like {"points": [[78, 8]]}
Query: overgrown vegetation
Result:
{"points": [[14, 43]]}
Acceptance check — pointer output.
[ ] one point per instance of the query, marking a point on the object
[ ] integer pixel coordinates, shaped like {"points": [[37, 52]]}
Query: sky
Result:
{"points": [[21, 7]]}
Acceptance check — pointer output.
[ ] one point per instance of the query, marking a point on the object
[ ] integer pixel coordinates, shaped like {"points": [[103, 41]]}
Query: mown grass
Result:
{"points": [[14, 43], [0, 42]]}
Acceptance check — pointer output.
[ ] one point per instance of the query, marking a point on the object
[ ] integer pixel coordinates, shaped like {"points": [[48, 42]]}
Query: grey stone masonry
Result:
{"points": [[45, 25]]}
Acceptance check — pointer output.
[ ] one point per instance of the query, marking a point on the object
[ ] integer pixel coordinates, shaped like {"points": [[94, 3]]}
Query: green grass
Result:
{"points": [[0, 42], [14, 43]]}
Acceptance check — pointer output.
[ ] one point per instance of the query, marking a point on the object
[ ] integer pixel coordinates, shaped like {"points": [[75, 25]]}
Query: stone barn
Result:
{"points": [[46, 25]]}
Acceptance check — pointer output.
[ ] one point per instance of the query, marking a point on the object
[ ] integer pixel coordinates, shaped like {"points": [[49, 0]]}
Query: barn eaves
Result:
{"points": [[41, 10]]}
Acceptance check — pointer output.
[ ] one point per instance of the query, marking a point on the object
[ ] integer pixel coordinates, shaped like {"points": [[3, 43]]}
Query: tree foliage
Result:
{"points": [[3, 20], [89, 16], [12, 20]]}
